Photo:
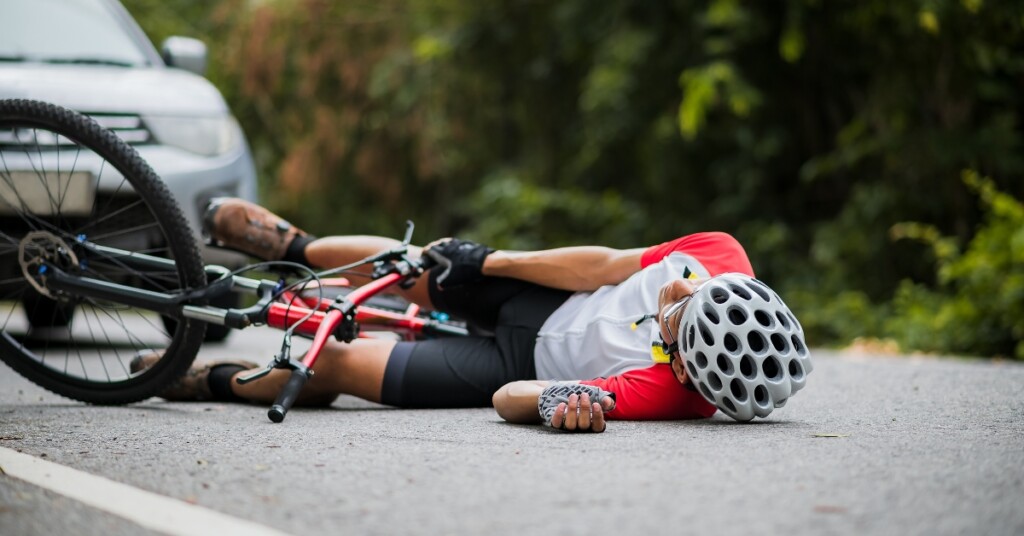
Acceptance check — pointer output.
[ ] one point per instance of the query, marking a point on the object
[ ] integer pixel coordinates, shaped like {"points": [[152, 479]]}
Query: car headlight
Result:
{"points": [[207, 136]]}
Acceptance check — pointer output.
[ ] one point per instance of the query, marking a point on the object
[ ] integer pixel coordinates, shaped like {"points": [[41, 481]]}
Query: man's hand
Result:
{"points": [[461, 260], [572, 406], [581, 415]]}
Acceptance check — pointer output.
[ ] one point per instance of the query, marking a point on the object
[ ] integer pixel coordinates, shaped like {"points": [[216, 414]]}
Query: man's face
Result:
{"points": [[669, 296]]}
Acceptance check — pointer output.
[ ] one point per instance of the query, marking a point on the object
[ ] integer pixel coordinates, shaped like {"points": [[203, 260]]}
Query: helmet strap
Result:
{"points": [[670, 349]]}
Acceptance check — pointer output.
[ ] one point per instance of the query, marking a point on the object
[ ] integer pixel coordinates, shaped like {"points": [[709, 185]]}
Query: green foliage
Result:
{"points": [[979, 307], [509, 213], [843, 317], [807, 128]]}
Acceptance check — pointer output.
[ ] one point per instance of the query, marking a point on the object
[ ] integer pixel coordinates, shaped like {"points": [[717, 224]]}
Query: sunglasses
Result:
{"points": [[673, 347]]}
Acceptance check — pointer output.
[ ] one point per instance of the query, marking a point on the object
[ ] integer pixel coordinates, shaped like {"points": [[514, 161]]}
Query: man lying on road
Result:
{"points": [[568, 342]]}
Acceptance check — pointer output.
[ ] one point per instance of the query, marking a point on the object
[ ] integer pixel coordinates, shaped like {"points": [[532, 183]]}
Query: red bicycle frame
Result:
{"points": [[322, 319]]}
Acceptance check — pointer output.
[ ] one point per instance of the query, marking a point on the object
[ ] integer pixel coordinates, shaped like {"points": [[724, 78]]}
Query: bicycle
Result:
{"points": [[98, 264]]}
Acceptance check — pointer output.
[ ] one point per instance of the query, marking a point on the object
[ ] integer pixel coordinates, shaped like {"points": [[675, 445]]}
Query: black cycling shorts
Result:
{"points": [[459, 372]]}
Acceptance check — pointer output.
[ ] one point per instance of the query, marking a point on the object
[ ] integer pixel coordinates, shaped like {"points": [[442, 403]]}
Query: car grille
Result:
{"points": [[127, 127]]}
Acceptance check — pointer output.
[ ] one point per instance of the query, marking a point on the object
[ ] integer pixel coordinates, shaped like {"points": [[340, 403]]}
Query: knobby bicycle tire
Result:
{"points": [[84, 350]]}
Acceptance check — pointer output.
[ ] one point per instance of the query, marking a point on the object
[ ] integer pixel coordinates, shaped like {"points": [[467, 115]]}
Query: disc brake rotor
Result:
{"points": [[39, 249]]}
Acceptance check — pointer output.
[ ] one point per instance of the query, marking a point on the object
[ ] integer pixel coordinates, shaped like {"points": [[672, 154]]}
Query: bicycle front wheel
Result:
{"points": [[65, 182]]}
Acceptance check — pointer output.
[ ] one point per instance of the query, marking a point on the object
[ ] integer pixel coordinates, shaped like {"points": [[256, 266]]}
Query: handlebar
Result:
{"points": [[391, 267], [288, 395]]}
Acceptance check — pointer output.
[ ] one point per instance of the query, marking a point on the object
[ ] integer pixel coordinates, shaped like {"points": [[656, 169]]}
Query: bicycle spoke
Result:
{"points": [[71, 173], [24, 212], [63, 174], [122, 232], [93, 222], [42, 178], [142, 275]]}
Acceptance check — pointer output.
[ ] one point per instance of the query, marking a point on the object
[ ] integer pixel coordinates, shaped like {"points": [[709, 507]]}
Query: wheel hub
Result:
{"points": [[39, 250]]}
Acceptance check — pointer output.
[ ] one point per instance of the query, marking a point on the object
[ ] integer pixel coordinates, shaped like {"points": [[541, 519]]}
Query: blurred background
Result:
{"points": [[867, 154]]}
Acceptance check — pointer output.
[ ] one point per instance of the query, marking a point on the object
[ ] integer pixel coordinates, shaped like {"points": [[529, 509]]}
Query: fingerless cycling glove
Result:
{"points": [[463, 261], [559, 392]]}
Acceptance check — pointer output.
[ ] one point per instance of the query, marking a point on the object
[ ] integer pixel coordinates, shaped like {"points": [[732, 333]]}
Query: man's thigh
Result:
{"points": [[453, 372]]}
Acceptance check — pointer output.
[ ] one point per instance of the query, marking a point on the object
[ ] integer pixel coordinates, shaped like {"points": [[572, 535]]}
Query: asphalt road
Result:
{"points": [[874, 445]]}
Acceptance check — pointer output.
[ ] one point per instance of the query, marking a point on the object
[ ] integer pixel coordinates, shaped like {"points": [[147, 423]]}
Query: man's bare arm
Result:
{"points": [[517, 402], [581, 268]]}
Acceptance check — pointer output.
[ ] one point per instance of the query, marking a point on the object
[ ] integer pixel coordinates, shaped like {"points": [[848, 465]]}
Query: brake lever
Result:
{"points": [[282, 360], [409, 227]]}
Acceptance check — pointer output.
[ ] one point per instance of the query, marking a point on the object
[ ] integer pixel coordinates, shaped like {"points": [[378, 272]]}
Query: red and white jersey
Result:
{"points": [[592, 334]]}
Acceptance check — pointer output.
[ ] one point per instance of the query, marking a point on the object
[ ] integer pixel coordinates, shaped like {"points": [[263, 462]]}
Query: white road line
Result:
{"points": [[156, 512]]}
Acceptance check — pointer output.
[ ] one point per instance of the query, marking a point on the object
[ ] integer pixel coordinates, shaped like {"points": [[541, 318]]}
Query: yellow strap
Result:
{"points": [[658, 355]]}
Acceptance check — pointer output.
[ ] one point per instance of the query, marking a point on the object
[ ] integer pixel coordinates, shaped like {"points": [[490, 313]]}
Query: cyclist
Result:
{"points": [[562, 333]]}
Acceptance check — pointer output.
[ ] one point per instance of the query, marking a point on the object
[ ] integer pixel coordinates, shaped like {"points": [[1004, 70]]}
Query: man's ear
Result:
{"points": [[679, 370]]}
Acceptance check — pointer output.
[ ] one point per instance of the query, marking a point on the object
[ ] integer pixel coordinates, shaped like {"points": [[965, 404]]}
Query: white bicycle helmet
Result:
{"points": [[742, 347]]}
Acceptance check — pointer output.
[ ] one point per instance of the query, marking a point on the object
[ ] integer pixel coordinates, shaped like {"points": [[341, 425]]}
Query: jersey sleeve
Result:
{"points": [[651, 394], [718, 252]]}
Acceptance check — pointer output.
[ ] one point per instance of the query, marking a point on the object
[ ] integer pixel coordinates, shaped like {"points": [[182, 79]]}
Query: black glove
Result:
{"points": [[462, 261]]}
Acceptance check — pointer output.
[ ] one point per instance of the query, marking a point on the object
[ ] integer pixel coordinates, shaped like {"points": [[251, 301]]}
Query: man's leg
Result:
{"points": [[250, 228], [356, 368], [437, 373]]}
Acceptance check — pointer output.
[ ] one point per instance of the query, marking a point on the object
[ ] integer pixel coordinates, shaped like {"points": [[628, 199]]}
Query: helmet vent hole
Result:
{"points": [[705, 333], [709, 313], [796, 325], [728, 404], [772, 368], [780, 344], [740, 291], [725, 364], [707, 392], [756, 342], [738, 391], [764, 319], [693, 370], [719, 295], [758, 288], [782, 319], [795, 370], [800, 349], [715, 381], [761, 395], [737, 316], [702, 360], [732, 345], [748, 368], [691, 333]]}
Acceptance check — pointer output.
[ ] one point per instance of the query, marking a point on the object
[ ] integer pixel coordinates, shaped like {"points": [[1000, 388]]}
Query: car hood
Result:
{"points": [[102, 89]]}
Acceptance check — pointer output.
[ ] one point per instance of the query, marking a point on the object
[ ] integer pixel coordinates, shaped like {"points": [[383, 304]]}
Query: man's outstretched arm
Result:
{"points": [[581, 268], [518, 402]]}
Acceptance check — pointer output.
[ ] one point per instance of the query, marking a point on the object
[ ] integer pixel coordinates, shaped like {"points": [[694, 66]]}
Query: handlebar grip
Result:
{"points": [[426, 261], [288, 394], [432, 259]]}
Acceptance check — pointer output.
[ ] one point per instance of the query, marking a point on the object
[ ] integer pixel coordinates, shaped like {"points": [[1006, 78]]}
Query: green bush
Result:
{"points": [[806, 128], [842, 317], [978, 307]]}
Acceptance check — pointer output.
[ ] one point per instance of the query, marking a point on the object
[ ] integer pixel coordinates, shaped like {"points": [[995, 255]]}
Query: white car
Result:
{"points": [[92, 57]]}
